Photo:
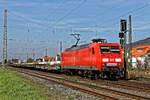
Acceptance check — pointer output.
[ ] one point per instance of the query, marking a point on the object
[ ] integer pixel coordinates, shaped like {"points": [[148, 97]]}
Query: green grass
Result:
{"points": [[13, 87]]}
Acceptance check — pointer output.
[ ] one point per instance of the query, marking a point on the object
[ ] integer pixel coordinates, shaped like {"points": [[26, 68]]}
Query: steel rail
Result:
{"points": [[126, 85], [71, 86], [99, 88]]}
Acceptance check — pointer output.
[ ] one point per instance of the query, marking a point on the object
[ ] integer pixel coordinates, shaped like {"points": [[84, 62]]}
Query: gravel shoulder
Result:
{"points": [[58, 92]]}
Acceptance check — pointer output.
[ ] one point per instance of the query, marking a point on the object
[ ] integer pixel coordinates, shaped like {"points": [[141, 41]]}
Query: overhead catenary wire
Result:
{"points": [[108, 10], [136, 9], [124, 14], [142, 25], [113, 19], [34, 20], [26, 19], [129, 12], [57, 7], [70, 12]]}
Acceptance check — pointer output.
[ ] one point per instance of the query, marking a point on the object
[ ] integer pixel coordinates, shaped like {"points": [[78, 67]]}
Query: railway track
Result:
{"points": [[130, 85], [144, 83], [96, 92], [126, 85], [135, 86], [67, 85]]}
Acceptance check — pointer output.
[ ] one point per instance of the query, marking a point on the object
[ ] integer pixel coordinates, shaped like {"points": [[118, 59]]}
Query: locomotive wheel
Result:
{"points": [[81, 73], [96, 76], [102, 75], [68, 72], [74, 72], [92, 75], [113, 76]]}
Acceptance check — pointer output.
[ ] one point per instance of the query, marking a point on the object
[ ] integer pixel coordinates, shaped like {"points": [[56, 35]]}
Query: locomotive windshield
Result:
{"points": [[110, 49]]}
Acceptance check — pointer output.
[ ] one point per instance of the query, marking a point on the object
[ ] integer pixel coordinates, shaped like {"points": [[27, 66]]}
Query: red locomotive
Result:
{"points": [[96, 59]]}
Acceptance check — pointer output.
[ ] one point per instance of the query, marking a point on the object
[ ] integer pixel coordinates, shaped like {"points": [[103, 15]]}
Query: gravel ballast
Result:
{"points": [[55, 89]]}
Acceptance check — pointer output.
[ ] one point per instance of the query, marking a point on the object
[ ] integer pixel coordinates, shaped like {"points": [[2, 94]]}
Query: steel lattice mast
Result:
{"points": [[5, 38]]}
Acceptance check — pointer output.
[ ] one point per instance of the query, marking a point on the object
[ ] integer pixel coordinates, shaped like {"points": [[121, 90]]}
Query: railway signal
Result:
{"points": [[123, 25], [121, 35], [123, 42]]}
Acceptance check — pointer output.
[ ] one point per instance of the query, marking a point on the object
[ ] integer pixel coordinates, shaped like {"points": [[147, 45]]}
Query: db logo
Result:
{"points": [[111, 59]]}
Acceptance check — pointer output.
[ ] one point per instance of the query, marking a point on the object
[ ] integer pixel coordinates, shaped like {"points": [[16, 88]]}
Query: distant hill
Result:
{"points": [[141, 42]]}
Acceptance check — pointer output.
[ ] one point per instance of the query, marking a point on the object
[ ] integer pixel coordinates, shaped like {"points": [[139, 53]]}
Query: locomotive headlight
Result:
{"points": [[118, 60], [105, 59]]}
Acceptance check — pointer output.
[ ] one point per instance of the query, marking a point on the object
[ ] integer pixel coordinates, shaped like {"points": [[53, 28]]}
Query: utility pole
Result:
{"points": [[125, 56], [5, 38], [60, 47], [46, 52], [33, 50], [27, 56], [130, 42]]}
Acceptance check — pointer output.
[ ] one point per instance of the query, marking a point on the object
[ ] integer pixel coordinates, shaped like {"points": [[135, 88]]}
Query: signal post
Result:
{"points": [[123, 42]]}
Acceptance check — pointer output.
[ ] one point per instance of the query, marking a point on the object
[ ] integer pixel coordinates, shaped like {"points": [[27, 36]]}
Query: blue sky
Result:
{"points": [[34, 25]]}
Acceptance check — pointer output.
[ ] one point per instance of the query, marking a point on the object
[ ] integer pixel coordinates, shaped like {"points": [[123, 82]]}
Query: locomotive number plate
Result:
{"points": [[111, 64]]}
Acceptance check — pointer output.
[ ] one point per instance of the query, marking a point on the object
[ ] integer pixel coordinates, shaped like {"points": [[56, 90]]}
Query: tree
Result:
{"points": [[30, 60]]}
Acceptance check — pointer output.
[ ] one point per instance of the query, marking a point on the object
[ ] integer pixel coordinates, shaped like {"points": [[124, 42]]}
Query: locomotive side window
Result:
{"points": [[93, 51], [110, 49]]}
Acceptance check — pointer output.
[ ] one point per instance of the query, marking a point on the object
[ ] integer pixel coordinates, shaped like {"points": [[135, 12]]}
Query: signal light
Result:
{"points": [[123, 26], [121, 35]]}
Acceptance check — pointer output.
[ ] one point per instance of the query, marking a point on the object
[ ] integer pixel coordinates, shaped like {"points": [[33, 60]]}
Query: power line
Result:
{"points": [[108, 10], [113, 19], [59, 5], [135, 10], [26, 19], [71, 11], [142, 25], [124, 14], [129, 12]]}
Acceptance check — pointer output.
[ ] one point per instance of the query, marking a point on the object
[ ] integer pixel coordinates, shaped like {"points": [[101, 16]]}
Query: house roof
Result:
{"points": [[140, 51]]}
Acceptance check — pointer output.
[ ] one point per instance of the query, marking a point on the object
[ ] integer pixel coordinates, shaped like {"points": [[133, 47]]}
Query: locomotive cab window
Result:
{"points": [[110, 50], [115, 50], [105, 49]]}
